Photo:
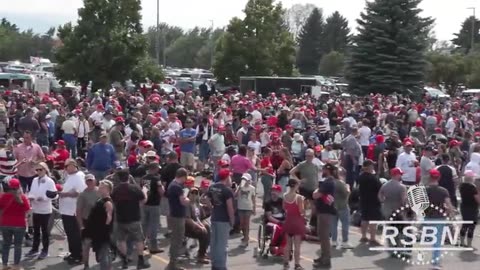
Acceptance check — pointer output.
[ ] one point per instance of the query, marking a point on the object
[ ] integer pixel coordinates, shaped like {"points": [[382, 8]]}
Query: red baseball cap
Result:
{"points": [[454, 143], [205, 183], [59, 187], [408, 143], [60, 142], [223, 174], [100, 107], [277, 188], [221, 128], [396, 171], [190, 182], [288, 126], [223, 163], [434, 173], [14, 183]]}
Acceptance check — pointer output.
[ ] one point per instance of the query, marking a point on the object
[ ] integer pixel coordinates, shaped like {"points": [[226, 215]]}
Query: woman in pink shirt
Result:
{"points": [[240, 164]]}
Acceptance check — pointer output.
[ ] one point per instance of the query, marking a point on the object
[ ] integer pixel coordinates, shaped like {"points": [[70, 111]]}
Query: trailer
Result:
{"points": [[280, 85]]}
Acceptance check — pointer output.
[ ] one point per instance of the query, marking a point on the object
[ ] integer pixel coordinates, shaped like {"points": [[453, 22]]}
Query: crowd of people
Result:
{"points": [[110, 165]]}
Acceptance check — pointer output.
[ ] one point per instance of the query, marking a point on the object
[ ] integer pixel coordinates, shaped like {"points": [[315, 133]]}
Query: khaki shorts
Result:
{"points": [[187, 159], [132, 231]]}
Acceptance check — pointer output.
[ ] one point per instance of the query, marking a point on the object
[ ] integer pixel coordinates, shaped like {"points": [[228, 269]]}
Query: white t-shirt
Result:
{"points": [[256, 116], [69, 126], [406, 162], [39, 190], [96, 116], [167, 136], [217, 145], [317, 162], [255, 145], [365, 134], [107, 124], [73, 182], [244, 199]]}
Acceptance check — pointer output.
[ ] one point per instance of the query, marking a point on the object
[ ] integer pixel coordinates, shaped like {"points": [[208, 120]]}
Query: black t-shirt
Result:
{"points": [[126, 198], [153, 198], [174, 192], [467, 193], [436, 196], [326, 187], [275, 208], [168, 173], [219, 194], [368, 188]]}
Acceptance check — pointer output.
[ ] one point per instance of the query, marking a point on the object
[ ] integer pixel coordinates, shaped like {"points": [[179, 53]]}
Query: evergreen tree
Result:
{"points": [[105, 46], [388, 52], [463, 39], [336, 35], [310, 43]]}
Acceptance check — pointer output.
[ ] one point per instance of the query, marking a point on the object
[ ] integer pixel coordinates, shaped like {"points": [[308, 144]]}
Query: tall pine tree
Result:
{"points": [[310, 43], [336, 35], [463, 39], [388, 52]]}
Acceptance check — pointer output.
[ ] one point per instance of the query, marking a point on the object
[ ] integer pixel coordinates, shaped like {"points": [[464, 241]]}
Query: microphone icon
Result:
{"points": [[418, 200]]}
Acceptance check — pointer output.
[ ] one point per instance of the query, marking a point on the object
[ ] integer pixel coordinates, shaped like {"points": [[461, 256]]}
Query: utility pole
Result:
{"points": [[164, 44], [157, 34], [473, 29], [212, 47]]}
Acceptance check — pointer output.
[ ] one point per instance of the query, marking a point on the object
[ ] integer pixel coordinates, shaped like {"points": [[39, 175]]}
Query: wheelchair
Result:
{"points": [[266, 237]]}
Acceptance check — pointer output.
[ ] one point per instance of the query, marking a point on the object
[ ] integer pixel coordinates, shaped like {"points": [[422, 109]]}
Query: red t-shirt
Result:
{"points": [[265, 163], [13, 213], [60, 156]]}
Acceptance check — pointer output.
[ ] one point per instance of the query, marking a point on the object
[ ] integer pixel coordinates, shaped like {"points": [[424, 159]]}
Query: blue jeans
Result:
{"points": [[71, 143], [204, 150], [104, 257], [150, 224], [436, 254], [351, 171], [344, 216], [218, 244], [16, 234]]}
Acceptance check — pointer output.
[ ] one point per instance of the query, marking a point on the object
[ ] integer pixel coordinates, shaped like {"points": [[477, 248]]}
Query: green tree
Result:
{"points": [[230, 61], [259, 45], [332, 64], [336, 35], [451, 70], [388, 53], [20, 45], [167, 36], [105, 45], [146, 69], [463, 39], [310, 43]]}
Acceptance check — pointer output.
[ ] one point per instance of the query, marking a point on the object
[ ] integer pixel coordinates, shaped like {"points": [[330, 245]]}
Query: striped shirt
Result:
{"points": [[8, 163]]}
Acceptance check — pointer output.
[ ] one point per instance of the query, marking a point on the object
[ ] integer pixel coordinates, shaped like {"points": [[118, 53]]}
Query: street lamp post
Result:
{"points": [[212, 47], [157, 34], [473, 29]]}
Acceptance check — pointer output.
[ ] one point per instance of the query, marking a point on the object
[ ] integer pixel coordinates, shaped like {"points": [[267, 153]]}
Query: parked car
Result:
{"points": [[184, 85], [12, 68]]}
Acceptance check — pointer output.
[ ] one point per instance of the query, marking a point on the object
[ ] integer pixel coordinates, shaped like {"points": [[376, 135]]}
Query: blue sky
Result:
{"points": [[42, 14]]}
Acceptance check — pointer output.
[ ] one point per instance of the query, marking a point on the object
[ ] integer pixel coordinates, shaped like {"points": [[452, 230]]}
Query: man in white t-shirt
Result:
{"points": [[256, 115], [167, 136], [74, 185], [407, 162], [365, 134], [97, 115]]}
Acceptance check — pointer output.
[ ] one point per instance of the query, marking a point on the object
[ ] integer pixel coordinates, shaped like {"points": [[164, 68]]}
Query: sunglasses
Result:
{"points": [[39, 170], [194, 192]]}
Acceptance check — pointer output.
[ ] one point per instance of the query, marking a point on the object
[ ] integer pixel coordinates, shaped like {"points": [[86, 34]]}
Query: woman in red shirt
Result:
{"points": [[14, 206]]}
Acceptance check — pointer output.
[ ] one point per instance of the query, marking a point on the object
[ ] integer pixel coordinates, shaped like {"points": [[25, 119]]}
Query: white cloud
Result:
{"points": [[189, 13]]}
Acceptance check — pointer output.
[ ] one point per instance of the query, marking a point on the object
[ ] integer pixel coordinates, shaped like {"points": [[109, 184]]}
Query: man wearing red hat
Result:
{"points": [[407, 162], [439, 197], [222, 219], [60, 155], [393, 194]]}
